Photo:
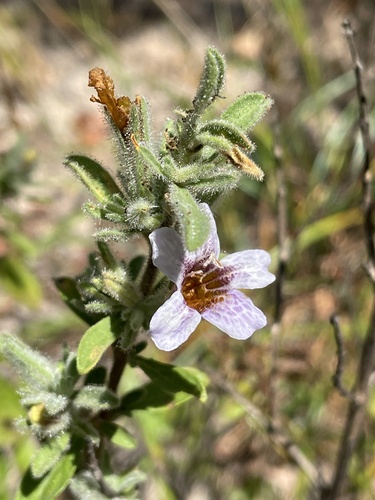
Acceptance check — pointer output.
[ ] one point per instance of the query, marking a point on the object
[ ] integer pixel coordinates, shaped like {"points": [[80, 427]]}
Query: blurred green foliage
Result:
{"points": [[214, 446]]}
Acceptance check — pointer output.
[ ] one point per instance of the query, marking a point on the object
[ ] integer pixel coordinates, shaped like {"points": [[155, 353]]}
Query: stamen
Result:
{"points": [[202, 288]]}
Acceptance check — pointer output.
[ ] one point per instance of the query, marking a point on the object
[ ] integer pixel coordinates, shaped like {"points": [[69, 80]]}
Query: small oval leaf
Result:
{"points": [[95, 341], [98, 181], [247, 110], [48, 455], [172, 378], [51, 485]]}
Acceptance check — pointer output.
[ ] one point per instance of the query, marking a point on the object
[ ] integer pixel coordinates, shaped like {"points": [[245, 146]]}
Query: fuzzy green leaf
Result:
{"points": [[140, 119], [126, 482], [95, 341], [151, 161], [52, 402], [173, 379], [94, 210], [110, 234], [106, 254], [229, 131], [36, 370], [247, 110], [212, 80], [98, 181], [84, 486], [194, 223], [96, 398], [118, 435], [216, 142], [51, 485], [48, 455]]}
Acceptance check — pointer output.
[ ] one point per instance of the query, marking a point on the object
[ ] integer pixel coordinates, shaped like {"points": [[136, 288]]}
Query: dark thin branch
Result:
{"points": [[283, 258], [120, 358], [357, 407], [282, 232], [363, 123], [337, 377]]}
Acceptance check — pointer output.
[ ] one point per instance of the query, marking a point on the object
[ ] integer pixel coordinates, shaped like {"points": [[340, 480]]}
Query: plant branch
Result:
{"points": [[283, 258], [357, 406], [337, 377], [120, 358], [363, 123]]}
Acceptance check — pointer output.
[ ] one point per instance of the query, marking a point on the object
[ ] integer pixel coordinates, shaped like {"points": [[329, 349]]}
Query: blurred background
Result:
{"points": [[293, 50]]}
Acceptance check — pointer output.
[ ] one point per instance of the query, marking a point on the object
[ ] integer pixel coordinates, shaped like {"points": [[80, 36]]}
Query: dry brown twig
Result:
{"points": [[357, 403]]}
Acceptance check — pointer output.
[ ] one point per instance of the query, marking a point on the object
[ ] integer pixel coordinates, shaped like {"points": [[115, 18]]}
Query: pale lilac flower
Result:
{"points": [[206, 287]]}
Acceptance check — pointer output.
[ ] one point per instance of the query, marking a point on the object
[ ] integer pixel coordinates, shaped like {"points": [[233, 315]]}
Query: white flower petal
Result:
{"points": [[173, 323], [167, 251], [249, 269], [236, 315]]}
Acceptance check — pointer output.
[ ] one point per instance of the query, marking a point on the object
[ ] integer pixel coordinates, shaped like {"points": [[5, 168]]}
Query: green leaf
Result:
{"points": [[107, 255], [322, 228], [212, 80], [69, 293], [96, 341], [19, 281], [93, 209], [118, 435], [148, 396], [51, 485], [229, 131], [151, 161], [247, 110], [135, 266], [52, 402], [217, 142], [96, 398], [85, 487], [98, 181], [36, 370], [86, 430], [96, 376], [127, 482], [110, 234], [194, 223], [140, 119], [172, 378], [48, 455]]}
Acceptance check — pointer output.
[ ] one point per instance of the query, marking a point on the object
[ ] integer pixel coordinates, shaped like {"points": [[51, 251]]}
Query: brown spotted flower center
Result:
{"points": [[205, 285]]}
